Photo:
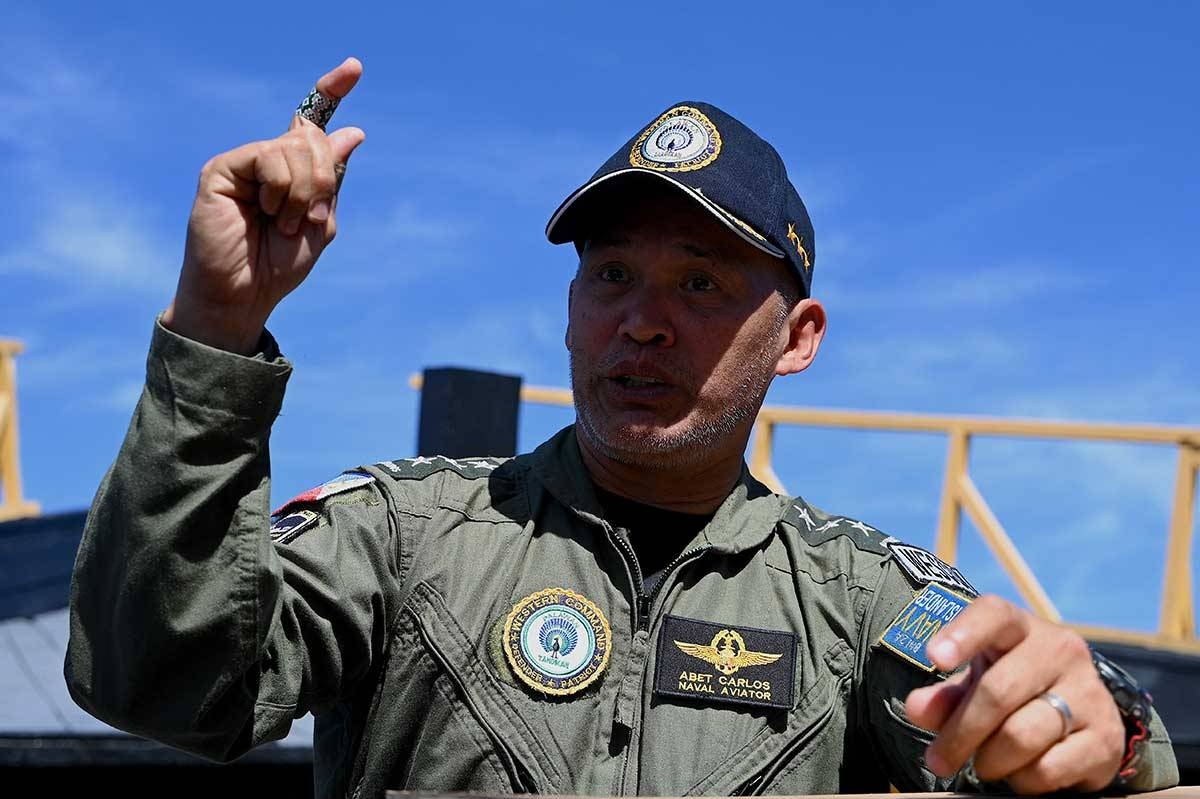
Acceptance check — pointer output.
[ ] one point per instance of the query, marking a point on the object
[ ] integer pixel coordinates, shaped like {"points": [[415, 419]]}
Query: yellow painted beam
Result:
{"points": [[1006, 551], [1177, 620]]}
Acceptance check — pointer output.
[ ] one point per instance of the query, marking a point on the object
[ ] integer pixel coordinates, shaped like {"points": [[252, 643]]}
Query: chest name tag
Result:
{"points": [[928, 612], [724, 664]]}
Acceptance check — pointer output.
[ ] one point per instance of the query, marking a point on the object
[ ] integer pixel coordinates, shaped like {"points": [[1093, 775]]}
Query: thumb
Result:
{"points": [[344, 141]]}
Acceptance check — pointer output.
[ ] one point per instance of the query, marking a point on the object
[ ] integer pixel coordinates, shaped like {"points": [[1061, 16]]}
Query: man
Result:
{"points": [[624, 610]]}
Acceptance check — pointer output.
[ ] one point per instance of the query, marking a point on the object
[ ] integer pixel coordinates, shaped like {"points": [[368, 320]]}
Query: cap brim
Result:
{"points": [[563, 224]]}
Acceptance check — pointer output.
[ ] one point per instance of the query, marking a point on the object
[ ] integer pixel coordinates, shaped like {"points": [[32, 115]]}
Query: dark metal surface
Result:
{"points": [[36, 556], [467, 413]]}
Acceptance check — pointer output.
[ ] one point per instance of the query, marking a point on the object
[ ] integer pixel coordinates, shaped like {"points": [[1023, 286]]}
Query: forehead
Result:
{"points": [[644, 212]]}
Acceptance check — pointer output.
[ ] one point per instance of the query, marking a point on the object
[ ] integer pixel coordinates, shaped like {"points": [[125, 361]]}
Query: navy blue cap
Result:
{"points": [[721, 164]]}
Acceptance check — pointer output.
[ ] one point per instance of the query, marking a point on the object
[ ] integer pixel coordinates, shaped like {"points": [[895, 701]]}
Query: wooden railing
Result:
{"points": [[1177, 622], [12, 504]]}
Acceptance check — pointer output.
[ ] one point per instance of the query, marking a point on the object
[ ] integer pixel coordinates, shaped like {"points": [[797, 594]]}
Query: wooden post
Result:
{"points": [[1006, 551], [13, 505], [950, 515], [1177, 620], [760, 455]]}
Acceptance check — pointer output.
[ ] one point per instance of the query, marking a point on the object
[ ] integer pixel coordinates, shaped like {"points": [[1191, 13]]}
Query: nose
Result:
{"points": [[647, 319]]}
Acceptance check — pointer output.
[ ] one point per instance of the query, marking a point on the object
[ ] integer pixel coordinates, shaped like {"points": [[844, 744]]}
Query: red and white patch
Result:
{"points": [[339, 484]]}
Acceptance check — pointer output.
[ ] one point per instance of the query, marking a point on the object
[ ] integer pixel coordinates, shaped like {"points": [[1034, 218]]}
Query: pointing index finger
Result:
{"points": [[319, 105], [989, 627]]}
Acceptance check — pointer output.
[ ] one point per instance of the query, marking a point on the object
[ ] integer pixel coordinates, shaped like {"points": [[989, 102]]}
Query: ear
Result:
{"points": [[805, 329], [570, 302]]}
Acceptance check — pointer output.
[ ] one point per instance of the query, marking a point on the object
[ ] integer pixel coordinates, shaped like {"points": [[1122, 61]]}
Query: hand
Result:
{"points": [[992, 709], [263, 214]]}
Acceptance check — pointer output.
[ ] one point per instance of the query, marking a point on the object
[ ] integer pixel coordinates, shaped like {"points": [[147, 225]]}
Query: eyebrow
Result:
{"points": [[605, 240]]}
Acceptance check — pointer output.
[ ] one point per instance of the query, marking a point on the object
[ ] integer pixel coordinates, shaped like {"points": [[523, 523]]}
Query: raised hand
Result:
{"points": [[262, 216], [996, 713]]}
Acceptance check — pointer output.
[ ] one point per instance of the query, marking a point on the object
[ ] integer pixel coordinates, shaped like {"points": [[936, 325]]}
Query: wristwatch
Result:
{"points": [[1134, 704]]}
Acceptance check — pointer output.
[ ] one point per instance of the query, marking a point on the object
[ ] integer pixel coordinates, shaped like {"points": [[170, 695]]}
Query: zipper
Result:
{"points": [[644, 602], [522, 782], [641, 602], [754, 785], [641, 623]]}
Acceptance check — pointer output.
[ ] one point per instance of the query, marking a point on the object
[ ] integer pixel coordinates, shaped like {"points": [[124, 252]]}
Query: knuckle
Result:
{"points": [[1046, 776], [324, 182], [995, 688], [210, 168], [1071, 645]]}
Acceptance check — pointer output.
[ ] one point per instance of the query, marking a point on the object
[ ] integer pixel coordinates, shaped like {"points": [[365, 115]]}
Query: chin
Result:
{"points": [[646, 445]]}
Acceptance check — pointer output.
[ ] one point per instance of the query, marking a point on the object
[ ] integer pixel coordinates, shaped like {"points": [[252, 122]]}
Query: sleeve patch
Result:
{"points": [[420, 468], [924, 568], [288, 528], [928, 612], [343, 482]]}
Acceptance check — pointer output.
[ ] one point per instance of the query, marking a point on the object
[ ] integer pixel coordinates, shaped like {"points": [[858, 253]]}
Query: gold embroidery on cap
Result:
{"points": [[798, 240], [680, 140], [727, 652]]}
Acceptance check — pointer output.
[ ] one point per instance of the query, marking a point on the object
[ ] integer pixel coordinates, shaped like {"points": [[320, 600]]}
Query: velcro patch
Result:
{"points": [[723, 664], [288, 528], [343, 482], [928, 612], [422, 467], [924, 567]]}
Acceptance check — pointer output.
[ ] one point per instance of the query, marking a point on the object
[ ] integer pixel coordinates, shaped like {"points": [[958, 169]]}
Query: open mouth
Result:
{"points": [[633, 381]]}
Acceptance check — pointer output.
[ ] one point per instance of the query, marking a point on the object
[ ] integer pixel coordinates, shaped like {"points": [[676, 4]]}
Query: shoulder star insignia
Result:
{"points": [[803, 514]]}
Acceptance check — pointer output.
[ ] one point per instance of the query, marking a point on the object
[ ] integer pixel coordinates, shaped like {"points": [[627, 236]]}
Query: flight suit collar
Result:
{"points": [[746, 518]]}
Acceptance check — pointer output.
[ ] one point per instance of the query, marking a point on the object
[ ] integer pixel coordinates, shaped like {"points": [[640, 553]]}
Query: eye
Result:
{"points": [[701, 283], [612, 273]]}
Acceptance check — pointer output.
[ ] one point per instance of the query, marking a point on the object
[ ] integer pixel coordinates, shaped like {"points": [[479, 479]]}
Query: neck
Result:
{"points": [[697, 489]]}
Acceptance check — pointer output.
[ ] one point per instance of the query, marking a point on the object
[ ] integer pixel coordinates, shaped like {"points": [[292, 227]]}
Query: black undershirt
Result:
{"points": [[658, 536]]}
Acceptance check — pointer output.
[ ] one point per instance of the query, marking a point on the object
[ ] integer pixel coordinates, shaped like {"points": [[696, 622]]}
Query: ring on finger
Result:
{"points": [[317, 108], [1064, 711]]}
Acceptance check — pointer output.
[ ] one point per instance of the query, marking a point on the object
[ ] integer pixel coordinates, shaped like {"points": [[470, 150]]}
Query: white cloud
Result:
{"points": [[94, 243]]}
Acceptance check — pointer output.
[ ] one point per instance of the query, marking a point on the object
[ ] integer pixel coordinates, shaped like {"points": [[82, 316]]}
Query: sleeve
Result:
{"points": [[1156, 767], [188, 625], [886, 681]]}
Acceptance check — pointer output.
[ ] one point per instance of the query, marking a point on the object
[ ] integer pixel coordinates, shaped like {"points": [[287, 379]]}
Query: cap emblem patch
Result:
{"points": [[557, 641], [798, 241], [680, 140]]}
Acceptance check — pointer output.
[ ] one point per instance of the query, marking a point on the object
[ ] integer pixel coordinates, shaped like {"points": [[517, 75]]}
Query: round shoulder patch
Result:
{"points": [[557, 641], [680, 140]]}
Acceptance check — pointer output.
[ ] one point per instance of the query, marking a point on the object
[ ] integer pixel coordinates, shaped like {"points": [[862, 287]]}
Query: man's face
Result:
{"points": [[676, 326]]}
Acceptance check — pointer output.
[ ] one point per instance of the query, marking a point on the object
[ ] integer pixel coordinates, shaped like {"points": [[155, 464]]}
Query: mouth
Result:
{"points": [[638, 381]]}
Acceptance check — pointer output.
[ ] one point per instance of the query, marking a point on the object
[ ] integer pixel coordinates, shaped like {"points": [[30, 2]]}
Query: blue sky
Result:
{"points": [[1005, 201]]}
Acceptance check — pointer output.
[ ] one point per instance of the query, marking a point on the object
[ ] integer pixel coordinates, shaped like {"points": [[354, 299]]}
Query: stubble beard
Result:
{"points": [[706, 431]]}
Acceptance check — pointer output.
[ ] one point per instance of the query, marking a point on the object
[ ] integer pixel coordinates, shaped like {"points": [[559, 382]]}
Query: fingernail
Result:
{"points": [[293, 226], [319, 211], [943, 650]]}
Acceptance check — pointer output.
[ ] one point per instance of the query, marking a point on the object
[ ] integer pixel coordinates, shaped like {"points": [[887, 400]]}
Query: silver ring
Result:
{"points": [[318, 108], [1064, 710]]}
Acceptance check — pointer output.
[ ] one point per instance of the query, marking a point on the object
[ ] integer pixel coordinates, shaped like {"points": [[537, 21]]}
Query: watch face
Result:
{"points": [[1131, 700]]}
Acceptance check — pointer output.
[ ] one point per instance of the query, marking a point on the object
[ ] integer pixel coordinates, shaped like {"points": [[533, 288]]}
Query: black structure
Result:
{"points": [[468, 413], [36, 556]]}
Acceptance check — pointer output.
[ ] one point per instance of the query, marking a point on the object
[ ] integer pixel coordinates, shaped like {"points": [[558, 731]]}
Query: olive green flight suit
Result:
{"points": [[191, 626]]}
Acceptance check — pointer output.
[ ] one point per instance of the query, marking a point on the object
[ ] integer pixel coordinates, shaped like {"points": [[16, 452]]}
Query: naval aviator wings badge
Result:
{"points": [[725, 664], [557, 641]]}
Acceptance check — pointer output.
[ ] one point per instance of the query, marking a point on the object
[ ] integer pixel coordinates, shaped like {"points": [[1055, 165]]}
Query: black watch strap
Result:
{"points": [[1135, 704]]}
